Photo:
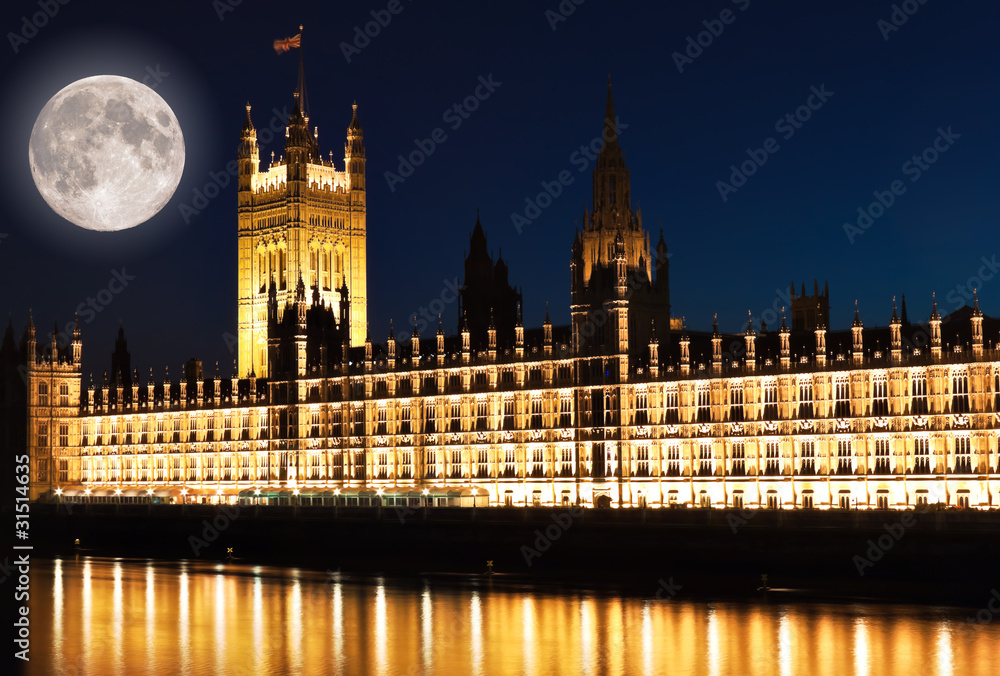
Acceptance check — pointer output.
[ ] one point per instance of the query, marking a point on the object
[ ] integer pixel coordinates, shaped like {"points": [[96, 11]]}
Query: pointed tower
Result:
{"points": [[391, 348], [547, 333], [486, 293], [895, 335], [935, 325], [466, 340], [977, 326], [784, 336], [654, 352], [857, 343], [820, 332], [492, 338], [612, 267], [354, 153], [299, 217], [121, 360], [808, 312], [750, 338], [415, 345], [519, 335], [685, 350], [440, 343], [716, 346]]}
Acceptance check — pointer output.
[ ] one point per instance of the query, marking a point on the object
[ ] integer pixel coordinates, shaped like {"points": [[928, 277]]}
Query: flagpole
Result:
{"points": [[302, 75]]}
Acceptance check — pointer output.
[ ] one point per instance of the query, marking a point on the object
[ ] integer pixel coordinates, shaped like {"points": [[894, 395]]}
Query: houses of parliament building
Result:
{"points": [[625, 407]]}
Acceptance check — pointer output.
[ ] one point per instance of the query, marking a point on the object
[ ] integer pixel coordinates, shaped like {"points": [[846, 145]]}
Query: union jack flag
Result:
{"points": [[282, 46]]}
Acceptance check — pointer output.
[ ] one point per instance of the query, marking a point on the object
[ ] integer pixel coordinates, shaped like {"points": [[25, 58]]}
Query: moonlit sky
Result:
{"points": [[684, 130]]}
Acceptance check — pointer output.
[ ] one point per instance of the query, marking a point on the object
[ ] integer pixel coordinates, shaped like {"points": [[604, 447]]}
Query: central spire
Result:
{"points": [[611, 188], [609, 112]]}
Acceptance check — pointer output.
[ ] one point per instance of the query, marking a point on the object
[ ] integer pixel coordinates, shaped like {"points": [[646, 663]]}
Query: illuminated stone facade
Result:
{"points": [[300, 218], [610, 411]]}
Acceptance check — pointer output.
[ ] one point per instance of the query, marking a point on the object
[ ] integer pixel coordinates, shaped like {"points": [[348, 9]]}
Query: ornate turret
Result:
{"points": [[369, 352], [415, 345], [685, 350], [390, 347], [440, 343], [857, 342], [750, 338], [977, 325], [895, 335], [547, 330], [820, 332], [466, 340], [519, 335], [654, 351], [76, 348], [54, 344], [716, 346], [354, 153], [935, 325], [248, 161], [29, 339], [492, 339], [784, 336]]}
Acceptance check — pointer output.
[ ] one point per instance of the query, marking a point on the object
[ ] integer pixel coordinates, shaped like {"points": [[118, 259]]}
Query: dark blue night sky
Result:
{"points": [[880, 93]]}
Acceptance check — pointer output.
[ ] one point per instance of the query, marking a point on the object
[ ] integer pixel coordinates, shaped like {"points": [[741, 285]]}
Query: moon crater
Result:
{"points": [[106, 153]]}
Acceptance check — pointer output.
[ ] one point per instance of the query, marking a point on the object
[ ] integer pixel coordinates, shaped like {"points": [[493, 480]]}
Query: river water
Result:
{"points": [[114, 616]]}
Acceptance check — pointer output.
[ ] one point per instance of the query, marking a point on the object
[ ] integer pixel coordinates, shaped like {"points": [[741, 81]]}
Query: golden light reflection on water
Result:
{"points": [[125, 617], [476, 626]]}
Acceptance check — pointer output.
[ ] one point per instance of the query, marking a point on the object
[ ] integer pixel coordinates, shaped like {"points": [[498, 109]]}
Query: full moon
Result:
{"points": [[106, 153]]}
